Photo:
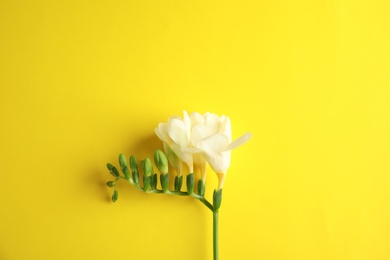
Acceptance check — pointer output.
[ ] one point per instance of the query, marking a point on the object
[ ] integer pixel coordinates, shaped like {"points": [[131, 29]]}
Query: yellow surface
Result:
{"points": [[82, 81]]}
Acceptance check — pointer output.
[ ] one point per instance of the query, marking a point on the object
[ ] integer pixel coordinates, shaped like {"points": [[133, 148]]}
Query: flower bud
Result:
{"points": [[190, 183], [160, 160], [164, 179], [217, 199], [147, 182], [134, 169], [133, 163], [123, 164], [153, 182], [114, 171], [201, 188], [178, 182], [147, 167], [115, 196], [110, 184]]}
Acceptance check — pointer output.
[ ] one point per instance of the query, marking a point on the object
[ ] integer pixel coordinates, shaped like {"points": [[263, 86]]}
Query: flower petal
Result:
{"points": [[214, 144], [238, 142], [177, 131], [199, 133], [212, 150], [213, 122], [162, 133], [196, 119], [187, 123], [226, 127]]}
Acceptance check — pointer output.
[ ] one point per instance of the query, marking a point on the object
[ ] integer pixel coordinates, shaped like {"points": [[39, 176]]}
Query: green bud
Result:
{"points": [[201, 188], [153, 182], [147, 181], [136, 177], [134, 169], [114, 171], [147, 167], [133, 163], [161, 161], [109, 166], [190, 183], [178, 182], [123, 164], [115, 195], [217, 199], [122, 160], [110, 184], [164, 179]]}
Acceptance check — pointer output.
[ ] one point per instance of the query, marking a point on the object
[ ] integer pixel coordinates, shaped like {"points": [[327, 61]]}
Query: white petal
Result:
{"points": [[196, 119], [214, 144], [162, 133], [199, 133], [192, 150], [212, 149], [177, 131], [213, 122], [173, 159], [187, 123], [238, 142], [226, 127]]}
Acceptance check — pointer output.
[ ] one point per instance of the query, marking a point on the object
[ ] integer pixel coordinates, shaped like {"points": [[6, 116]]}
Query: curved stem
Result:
{"points": [[215, 234]]}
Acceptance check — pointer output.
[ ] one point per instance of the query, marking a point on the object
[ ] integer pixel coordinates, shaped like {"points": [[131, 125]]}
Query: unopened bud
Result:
{"points": [[110, 184], [190, 183], [147, 167], [161, 161]]}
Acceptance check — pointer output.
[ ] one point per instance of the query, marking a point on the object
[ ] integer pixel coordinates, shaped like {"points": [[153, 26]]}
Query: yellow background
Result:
{"points": [[82, 81]]}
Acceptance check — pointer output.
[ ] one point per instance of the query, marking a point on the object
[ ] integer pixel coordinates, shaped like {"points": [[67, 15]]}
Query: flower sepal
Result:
{"points": [[217, 199], [164, 181], [178, 182], [190, 183], [201, 188]]}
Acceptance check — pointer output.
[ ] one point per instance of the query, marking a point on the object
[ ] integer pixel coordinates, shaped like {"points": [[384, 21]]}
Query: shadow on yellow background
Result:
{"points": [[81, 82]]}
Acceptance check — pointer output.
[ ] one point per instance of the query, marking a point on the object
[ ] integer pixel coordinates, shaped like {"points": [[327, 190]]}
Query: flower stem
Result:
{"points": [[215, 234]]}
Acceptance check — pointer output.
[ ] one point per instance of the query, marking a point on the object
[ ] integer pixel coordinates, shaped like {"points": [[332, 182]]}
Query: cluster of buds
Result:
{"points": [[151, 179]]}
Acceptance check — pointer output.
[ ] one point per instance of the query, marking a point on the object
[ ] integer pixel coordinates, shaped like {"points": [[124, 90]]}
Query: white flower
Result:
{"points": [[198, 120], [213, 139], [175, 135], [200, 139]]}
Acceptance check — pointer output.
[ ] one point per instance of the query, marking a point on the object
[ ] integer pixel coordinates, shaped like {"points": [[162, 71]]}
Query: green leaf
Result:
{"points": [[201, 188], [115, 196], [190, 183], [217, 199], [123, 164]]}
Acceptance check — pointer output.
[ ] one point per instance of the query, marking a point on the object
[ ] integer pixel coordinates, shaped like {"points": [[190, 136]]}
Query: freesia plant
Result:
{"points": [[195, 140]]}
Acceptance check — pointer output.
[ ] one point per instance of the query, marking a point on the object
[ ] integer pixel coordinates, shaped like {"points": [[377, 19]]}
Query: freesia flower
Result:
{"points": [[197, 121], [213, 139], [175, 135]]}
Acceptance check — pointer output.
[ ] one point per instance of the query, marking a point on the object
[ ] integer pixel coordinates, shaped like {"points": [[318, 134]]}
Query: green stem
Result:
{"points": [[215, 234]]}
